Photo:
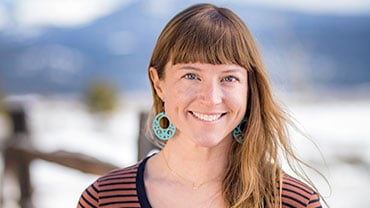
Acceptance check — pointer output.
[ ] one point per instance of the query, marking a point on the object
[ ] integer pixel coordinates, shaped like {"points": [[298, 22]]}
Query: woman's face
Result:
{"points": [[205, 102]]}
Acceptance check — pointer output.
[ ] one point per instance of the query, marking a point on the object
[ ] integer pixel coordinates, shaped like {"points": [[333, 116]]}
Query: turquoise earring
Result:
{"points": [[163, 134], [237, 132]]}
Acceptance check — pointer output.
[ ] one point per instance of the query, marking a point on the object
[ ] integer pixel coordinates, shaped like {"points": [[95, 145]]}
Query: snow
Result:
{"points": [[340, 130], [68, 125]]}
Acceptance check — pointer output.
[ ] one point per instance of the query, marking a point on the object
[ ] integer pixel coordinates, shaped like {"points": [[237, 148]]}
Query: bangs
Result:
{"points": [[214, 40], [205, 35]]}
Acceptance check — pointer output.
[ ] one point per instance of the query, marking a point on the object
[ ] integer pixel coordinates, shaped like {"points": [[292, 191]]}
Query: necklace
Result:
{"points": [[195, 186]]}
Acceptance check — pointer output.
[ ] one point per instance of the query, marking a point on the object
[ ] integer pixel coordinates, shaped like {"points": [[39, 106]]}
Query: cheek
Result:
{"points": [[178, 97], [237, 99], [181, 93]]}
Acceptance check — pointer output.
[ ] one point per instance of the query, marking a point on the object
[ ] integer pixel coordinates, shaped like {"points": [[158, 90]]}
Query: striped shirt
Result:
{"points": [[125, 188]]}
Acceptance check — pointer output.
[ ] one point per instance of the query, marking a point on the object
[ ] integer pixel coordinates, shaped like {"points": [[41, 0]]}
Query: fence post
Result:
{"points": [[144, 145], [15, 163]]}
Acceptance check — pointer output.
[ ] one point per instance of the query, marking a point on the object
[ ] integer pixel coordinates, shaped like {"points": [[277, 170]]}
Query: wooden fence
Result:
{"points": [[18, 154]]}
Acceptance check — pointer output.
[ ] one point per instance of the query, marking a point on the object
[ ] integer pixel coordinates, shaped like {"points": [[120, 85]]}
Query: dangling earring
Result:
{"points": [[237, 132], [159, 131]]}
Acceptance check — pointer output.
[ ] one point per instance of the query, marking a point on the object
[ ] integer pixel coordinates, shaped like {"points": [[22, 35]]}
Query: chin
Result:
{"points": [[208, 142]]}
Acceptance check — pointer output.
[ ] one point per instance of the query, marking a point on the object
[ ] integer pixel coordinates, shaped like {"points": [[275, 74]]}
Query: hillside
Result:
{"points": [[302, 51]]}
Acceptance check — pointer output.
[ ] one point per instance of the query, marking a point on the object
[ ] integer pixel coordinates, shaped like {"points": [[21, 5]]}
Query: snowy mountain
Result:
{"points": [[301, 50]]}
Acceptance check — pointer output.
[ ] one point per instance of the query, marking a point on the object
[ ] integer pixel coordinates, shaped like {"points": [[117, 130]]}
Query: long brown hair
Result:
{"points": [[204, 33]]}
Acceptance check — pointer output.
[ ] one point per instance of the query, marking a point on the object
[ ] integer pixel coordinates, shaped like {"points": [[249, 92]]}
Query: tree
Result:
{"points": [[101, 97]]}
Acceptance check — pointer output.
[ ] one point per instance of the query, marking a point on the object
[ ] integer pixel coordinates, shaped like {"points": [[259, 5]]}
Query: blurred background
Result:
{"points": [[74, 89]]}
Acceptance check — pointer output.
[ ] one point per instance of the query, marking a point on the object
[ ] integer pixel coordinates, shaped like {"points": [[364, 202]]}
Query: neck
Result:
{"points": [[193, 164]]}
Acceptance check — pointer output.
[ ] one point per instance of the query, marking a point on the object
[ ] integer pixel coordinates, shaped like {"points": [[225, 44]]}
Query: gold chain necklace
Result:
{"points": [[195, 186]]}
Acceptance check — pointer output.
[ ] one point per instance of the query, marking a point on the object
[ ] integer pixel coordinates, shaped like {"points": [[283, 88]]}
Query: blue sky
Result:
{"points": [[70, 13]]}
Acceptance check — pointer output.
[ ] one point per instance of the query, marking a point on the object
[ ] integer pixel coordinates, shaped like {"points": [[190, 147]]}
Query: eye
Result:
{"points": [[190, 76], [230, 79]]}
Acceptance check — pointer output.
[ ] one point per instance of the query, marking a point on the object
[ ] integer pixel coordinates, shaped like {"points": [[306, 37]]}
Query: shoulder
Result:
{"points": [[118, 175], [116, 186], [295, 193]]}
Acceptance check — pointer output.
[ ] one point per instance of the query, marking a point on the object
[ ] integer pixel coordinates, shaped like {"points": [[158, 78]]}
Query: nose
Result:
{"points": [[211, 93]]}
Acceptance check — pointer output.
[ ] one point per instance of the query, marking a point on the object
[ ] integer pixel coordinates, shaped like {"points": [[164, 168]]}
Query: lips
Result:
{"points": [[207, 117]]}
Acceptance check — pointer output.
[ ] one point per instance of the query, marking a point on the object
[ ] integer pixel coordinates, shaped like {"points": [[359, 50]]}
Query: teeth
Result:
{"points": [[206, 117]]}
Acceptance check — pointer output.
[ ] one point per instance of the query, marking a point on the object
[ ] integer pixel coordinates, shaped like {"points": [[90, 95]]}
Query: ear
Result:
{"points": [[157, 83]]}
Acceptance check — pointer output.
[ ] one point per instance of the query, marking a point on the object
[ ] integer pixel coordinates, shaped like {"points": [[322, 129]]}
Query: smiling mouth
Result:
{"points": [[207, 117]]}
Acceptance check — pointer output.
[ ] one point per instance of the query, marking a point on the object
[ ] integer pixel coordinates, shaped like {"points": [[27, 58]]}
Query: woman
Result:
{"points": [[216, 119]]}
